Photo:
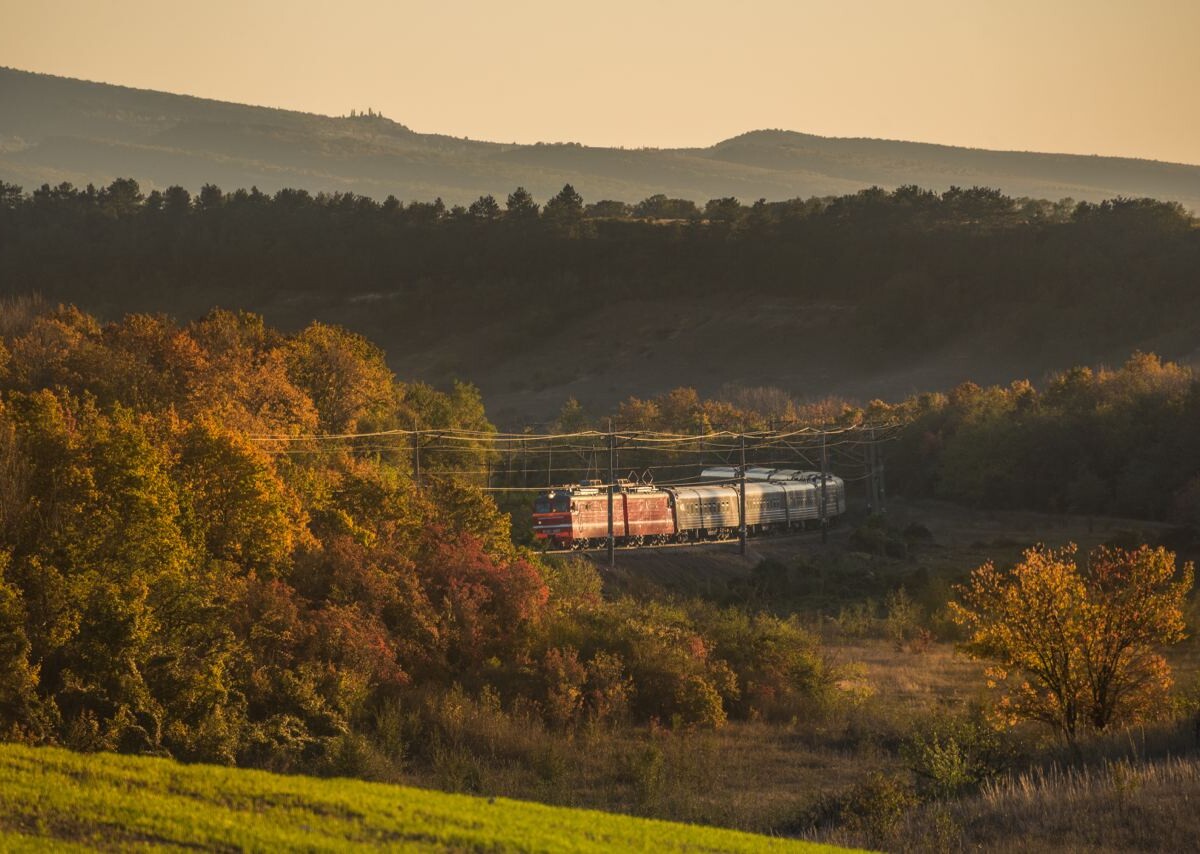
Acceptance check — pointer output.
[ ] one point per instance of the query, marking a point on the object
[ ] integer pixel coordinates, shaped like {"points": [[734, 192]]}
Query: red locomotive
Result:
{"points": [[576, 516]]}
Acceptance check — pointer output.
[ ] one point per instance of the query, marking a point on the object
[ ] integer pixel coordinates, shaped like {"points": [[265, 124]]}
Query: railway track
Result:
{"points": [[804, 536]]}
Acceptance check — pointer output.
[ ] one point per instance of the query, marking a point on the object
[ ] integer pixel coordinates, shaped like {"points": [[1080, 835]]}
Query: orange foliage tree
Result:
{"points": [[1075, 646]]}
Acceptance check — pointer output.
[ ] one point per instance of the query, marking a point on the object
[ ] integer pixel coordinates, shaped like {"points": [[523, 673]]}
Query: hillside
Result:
{"points": [[55, 129], [109, 802]]}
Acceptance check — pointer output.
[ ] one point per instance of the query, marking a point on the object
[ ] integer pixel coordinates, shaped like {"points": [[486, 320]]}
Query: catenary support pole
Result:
{"points": [[872, 483], [417, 458], [612, 485], [824, 481], [879, 482], [742, 499]]}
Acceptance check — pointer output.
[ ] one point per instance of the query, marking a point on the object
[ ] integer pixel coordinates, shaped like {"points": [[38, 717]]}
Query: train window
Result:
{"points": [[557, 504]]}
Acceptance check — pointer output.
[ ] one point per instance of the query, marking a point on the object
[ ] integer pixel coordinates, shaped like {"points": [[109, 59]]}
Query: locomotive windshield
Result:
{"points": [[560, 503]]}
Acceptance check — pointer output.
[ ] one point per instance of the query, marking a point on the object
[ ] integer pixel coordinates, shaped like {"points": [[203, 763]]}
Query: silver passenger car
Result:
{"points": [[775, 499], [706, 508]]}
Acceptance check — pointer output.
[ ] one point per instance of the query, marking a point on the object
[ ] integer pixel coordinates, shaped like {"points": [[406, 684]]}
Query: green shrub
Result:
{"points": [[672, 671], [858, 619], [573, 581], [778, 665], [699, 702], [871, 812], [645, 769], [903, 623], [950, 754]]}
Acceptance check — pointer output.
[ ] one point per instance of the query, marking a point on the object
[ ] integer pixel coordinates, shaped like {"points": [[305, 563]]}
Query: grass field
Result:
{"points": [[88, 801]]}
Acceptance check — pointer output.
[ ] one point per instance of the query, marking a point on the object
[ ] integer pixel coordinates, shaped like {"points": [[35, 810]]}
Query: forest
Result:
{"points": [[899, 247], [1000, 286], [179, 578]]}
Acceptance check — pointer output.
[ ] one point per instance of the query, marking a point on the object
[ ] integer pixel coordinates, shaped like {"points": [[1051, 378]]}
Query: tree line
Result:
{"points": [[910, 204], [917, 270]]}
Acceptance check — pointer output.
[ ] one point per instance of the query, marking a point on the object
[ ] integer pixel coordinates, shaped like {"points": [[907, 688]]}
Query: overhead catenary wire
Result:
{"points": [[646, 436], [508, 455]]}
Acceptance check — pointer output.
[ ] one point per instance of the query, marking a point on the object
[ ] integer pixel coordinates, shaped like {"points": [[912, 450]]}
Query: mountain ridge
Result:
{"points": [[55, 129]]}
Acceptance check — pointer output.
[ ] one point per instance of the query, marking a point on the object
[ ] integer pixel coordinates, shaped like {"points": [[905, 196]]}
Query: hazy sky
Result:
{"points": [[1080, 76]]}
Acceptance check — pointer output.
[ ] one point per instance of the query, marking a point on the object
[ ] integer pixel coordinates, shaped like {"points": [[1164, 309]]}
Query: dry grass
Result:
{"points": [[748, 776], [1133, 790], [911, 682], [1118, 806]]}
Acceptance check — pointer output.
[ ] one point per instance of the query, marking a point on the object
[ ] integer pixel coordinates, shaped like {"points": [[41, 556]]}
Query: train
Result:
{"points": [[575, 516]]}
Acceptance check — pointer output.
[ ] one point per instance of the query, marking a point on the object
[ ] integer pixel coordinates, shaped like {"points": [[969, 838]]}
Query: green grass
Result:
{"points": [[86, 801]]}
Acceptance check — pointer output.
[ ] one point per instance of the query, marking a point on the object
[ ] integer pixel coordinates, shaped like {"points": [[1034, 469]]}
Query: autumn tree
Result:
{"points": [[1075, 646], [346, 376]]}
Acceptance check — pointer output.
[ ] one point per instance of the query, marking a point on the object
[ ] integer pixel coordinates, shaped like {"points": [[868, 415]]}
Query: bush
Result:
{"points": [[778, 666], [565, 678], [573, 581], [608, 688], [903, 623], [672, 674], [952, 754], [876, 537], [857, 620], [872, 811], [915, 532], [645, 769]]}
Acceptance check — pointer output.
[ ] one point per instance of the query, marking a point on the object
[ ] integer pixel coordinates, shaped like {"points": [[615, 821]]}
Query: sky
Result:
{"points": [[1096, 77]]}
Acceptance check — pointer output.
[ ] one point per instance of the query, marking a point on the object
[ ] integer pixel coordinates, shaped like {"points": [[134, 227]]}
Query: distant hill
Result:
{"points": [[55, 129]]}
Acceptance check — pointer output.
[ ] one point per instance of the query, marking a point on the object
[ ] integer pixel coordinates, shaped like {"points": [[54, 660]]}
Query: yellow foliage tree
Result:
{"points": [[1075, 647]]}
